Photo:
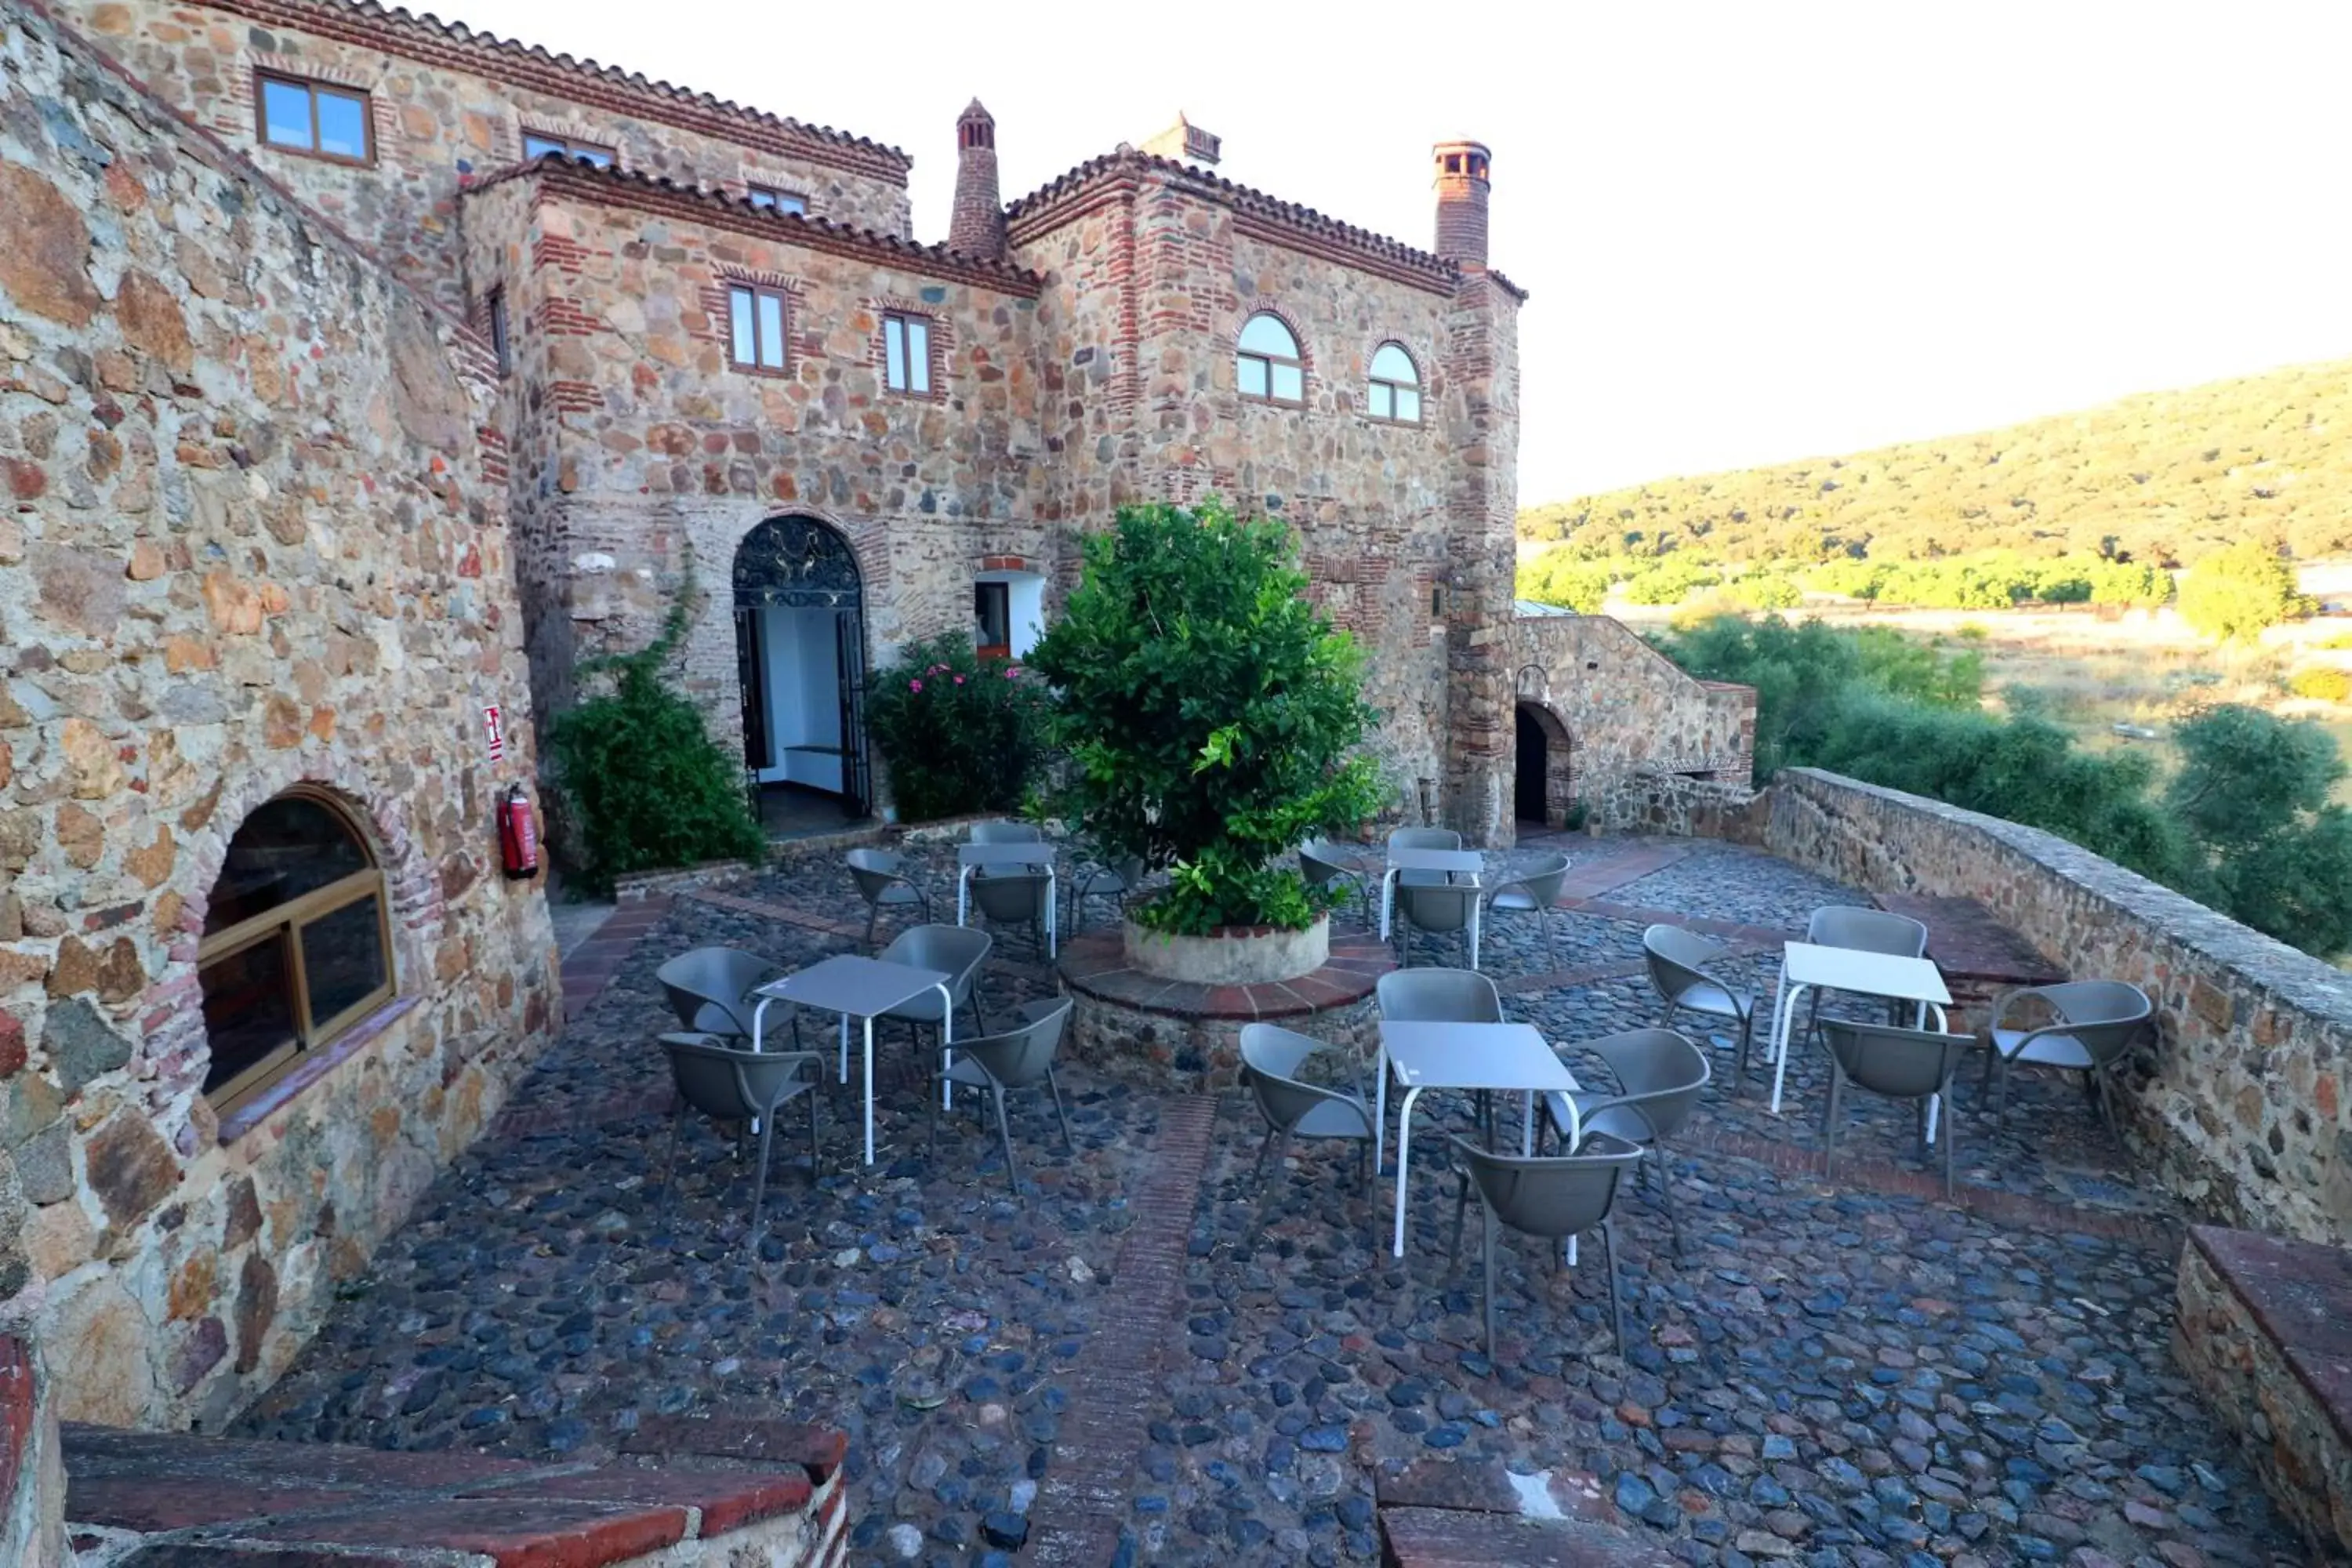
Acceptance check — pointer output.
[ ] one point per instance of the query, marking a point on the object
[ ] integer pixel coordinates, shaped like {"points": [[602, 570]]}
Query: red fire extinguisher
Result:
{"points": [[518, 834]]}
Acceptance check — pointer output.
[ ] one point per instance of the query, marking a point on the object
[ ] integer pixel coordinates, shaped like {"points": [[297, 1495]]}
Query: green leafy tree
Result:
{"points": [[642, 781], [2241, 591], [2253, 790], [961, 734], [1211, 714], [1559, 577]]}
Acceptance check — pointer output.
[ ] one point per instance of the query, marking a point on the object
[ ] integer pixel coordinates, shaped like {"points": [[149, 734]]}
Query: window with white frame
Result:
{"points": [[755, 327], [906, 353]]}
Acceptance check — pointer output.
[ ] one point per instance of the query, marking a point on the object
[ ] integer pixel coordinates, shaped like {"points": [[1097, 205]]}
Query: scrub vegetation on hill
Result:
{"points": [[2161, 478]]}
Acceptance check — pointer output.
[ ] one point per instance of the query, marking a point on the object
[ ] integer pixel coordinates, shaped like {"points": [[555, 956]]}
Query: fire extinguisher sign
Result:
{"points": [[496, 729]]}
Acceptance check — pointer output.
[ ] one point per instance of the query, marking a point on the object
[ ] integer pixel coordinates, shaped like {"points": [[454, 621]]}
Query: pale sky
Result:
{"points": [[1752, 232]]}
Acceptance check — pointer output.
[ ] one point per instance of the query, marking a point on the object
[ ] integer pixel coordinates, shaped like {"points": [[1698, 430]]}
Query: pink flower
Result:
{"points": [[959, 680], [914, 686], [1012, 674]]}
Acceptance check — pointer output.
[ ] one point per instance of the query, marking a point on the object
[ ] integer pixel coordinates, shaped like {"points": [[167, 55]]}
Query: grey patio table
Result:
{"points": [[1806, 965], [1454, 862], [862, 988], [973, 857], [1509, 1057]]}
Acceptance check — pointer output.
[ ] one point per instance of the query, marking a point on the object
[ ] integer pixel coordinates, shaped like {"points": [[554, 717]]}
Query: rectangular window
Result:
{"points": [[755, 327], [498, 302], [775, 200], [538, 144], [907, 355], [992, 612], [311, 117]]}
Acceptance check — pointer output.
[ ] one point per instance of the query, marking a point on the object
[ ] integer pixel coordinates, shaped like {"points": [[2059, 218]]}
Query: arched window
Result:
{"points": [[1395, 392], [296, 946], [1268, 368]]}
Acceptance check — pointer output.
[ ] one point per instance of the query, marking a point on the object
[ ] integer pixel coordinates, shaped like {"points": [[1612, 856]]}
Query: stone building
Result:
{"points": [[726, 359], [360, 374]]}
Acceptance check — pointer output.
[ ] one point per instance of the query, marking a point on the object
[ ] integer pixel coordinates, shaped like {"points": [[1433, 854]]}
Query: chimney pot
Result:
{"points": [[976, 226], [1463, 183]]}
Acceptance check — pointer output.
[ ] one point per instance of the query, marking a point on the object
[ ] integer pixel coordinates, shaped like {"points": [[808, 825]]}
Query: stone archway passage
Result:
{"points": [[1544, 785], [800, 644]]}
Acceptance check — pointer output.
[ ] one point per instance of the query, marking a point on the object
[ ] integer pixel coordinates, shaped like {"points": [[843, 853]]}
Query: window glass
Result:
{"points": [[1289, 383], [290, 847], [1253, 376], [771, 330], [499, 343], [600, 156], [1383, 402], [1266, 335], [919, 355], [249, 1008], [342, 958], [1408, 405], [894, 352], [1392, 363], [343, 124], [776, 200], [286, 113], [745, 347], [536, 146]]}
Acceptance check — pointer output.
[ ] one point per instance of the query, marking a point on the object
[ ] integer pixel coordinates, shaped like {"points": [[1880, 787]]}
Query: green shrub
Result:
{"points": [[2241, 591], [641, 780], [2321, 684], [1210, 713], [961, 734]]}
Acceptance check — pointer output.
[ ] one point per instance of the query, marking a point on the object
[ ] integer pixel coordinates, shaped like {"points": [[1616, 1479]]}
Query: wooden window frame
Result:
{"points": [[501, 341], [931, 371], [1298, 363], [570, 146], [311, 90], [758, 291], [1413, 387], [777, 196], [285, 923]]}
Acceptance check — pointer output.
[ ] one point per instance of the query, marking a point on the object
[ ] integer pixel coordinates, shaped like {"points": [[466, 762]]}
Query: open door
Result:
{"points": [[799, 604]]}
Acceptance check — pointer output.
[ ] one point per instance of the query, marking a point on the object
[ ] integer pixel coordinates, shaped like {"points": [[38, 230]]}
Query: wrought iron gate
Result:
{"points": [[800, 563]]}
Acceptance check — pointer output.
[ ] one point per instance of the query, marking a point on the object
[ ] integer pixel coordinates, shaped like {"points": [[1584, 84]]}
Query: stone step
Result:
{"points": [[682, 1493], [1444, 1514]]}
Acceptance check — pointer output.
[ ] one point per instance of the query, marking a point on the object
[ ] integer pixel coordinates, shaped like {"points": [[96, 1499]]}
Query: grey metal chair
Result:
{"points": [[1553, 1196], [734, 1083], [1271, 1060], [1020, 1057], [884, 880], [957, 952], [1915, 1065], [1437, 911], [710, 988], [1660, 1074], [1012, 897], [1536, 891], [1102, 876], [1864, 930], [1322, 863], [2093, 1024], [1441, 996], [1681, 970]]}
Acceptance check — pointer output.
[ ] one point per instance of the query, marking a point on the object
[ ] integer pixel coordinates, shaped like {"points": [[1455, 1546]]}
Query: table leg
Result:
{"points": [[1527, 1126], [1783, 1026], [1473, 934], [870, 1091], [947, 1046], [1053, 926], [845, 1047], [1779, 995], [1388, 899], [964, 893], [1379, 1108], [1404, 1139]]}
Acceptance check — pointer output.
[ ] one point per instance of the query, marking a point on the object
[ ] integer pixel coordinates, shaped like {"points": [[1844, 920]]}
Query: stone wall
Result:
{"points": [[1629, 714], [2243, 1104], [254, 537], [449, 105]]}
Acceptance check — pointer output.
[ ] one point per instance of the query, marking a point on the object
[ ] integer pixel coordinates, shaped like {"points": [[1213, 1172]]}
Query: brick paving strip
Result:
{"points": [[1115, 1384]]}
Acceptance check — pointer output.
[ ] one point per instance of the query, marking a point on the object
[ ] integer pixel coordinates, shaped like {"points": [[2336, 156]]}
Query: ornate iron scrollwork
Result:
{"points": [[795, 560]]}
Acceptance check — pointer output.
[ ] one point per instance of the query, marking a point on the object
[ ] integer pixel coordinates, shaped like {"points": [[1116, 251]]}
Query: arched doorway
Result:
{"points": [[1542, 787], [800, 652]]}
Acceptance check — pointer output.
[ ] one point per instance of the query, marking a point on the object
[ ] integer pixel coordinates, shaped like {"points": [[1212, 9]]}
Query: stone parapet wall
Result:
{"points": [[2241, 1102], [1676, 805], [253, 541]]}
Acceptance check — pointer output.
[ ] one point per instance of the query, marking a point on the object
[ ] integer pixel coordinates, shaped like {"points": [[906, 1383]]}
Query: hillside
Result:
{"points": [[2158, 478]]}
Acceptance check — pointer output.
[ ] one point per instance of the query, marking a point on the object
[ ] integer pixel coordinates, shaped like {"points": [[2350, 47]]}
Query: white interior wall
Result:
{"points": [[803, 679]]}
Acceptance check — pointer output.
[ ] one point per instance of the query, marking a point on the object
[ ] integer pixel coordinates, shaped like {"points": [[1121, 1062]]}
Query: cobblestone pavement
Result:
{"points": [[1835, 1371]]}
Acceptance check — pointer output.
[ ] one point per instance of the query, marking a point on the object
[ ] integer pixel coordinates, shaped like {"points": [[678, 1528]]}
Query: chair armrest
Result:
{"points": [[2027, 1038]]}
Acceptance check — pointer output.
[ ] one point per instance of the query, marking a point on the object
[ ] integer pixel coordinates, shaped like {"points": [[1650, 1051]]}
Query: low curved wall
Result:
{"points": [[2245, 1104]]}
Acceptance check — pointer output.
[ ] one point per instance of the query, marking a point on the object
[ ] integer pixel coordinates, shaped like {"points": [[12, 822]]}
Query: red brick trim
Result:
{"points": [[459, 48], [1011, 564], [717, 209]]}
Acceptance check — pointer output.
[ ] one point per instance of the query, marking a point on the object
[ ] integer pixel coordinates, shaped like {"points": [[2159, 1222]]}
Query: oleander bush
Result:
{"points": [[959, 734]]}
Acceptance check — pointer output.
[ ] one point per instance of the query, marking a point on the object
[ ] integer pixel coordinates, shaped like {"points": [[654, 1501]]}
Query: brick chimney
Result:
{"points": [[1462, 186], [977, 228]]}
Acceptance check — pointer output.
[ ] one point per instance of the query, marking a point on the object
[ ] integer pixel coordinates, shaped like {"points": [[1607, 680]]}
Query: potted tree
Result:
{"points": [[1212, 717]]}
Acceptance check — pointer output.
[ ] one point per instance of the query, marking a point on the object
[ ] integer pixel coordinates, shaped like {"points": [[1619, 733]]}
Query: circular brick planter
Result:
{"points": [[1185, 1035], [1232, 955]]}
